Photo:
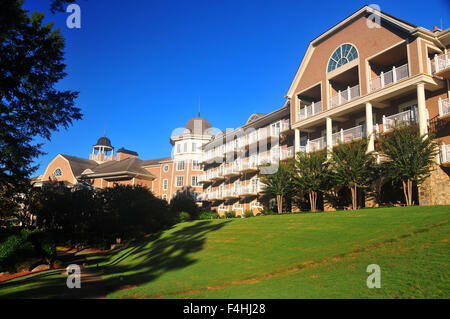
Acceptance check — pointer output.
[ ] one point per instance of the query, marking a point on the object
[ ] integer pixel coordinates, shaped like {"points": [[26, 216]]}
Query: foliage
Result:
{"points": [[230, 214], [31, 64], [185, 202], [410, 157], [184, 217], [279, 184], [208, 215], [248, 213], [353, 167], [18, 246], [99, 217], [312, 175], [269, 212]]}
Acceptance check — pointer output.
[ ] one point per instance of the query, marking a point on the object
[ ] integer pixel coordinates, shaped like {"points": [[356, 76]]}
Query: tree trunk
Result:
{"points": [[280, 203], [354, 198], [313, 200], [407, 191]]}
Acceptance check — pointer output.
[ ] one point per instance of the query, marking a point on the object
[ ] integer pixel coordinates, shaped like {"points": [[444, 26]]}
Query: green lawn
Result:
{"points": [[321, 255]]}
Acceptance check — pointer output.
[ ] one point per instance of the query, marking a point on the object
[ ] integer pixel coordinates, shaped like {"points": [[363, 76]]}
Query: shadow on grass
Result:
{"points": [[142, 262]]}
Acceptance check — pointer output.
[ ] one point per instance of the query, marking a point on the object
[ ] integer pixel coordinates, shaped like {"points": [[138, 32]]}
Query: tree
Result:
{"points": [[353, 167], [31, 64], [279, 184], [312, 174], [410, 157], [184, 201]]}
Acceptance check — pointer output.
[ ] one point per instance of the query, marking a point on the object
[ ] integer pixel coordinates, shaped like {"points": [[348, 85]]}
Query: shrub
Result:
{"points": [[185, 202], [230, 214], [269, 212], [184, 217], [208, 215], [248, 213]]}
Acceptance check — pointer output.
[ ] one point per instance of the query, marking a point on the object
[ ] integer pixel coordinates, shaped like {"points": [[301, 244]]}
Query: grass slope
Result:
{"points": [[322, 255]]}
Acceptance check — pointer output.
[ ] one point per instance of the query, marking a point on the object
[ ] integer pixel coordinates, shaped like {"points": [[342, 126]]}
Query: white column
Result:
{"points": [[297, 142], [423, 127], [329, 136], [369, 127]]}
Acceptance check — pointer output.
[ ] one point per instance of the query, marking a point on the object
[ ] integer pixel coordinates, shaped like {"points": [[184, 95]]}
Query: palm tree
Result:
{"points": [[312, 175], [353, 167], [410, 157], [279, 184]]}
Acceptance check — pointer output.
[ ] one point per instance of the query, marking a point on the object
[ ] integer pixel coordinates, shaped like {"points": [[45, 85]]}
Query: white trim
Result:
{"points": [[165, 180]]}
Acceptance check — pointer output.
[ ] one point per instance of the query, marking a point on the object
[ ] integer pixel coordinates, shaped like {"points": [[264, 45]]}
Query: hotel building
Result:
{"points": [[360, 78]]}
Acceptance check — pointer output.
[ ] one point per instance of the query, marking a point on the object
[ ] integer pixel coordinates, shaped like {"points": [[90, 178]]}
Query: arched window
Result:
{"points": [[344, 54], [57, 172]]}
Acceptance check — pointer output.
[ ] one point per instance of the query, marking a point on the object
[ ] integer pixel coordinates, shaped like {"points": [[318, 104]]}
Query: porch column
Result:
{"points": [[370, 132], [329, 136], [423, 127], [297, 142]]}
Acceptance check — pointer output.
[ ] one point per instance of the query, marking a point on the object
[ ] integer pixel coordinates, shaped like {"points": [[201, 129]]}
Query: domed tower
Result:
{"points": [[102, 151]]}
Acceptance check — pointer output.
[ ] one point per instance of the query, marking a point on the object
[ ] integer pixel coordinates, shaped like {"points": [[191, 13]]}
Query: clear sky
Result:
{"points": [[140, 65]]}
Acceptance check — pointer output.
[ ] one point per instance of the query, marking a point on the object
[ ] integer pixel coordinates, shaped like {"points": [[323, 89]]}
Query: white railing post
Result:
{"points": [[384, 122], [429, 66], [394, 75], [440, 107], [307, 146], [382, 79], [339, 97], [312, 108], [342, 135], [436, 63]]}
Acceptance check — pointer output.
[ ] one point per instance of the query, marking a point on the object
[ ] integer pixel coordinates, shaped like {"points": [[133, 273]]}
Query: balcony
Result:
{"points": [[316, 145], [231, 147], [406, 117], [248, 166], [390, 77], [444, 107], [217, 174], [309, 110], [445, 154], [287, 153], [344, 96], [232, 170], [285, 126], [250, 190], [441, 65], [230, 193]]}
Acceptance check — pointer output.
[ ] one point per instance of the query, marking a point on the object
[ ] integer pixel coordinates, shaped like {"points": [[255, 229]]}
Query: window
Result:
{"points": [[166, 168], [178, 148], [57, 172], [185, 147], [165, 184], [194, 181], [180, 181], [196, 165], [344, 54], [194, 147], [180, 166]]}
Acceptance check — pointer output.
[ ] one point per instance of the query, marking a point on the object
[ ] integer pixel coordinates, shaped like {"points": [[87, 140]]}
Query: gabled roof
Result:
{"points": [[366, 10], [156, 161], [79, 164], [129, 166]]}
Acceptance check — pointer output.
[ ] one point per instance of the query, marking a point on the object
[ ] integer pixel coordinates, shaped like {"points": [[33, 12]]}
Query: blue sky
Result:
{"points": [[140, 65]]}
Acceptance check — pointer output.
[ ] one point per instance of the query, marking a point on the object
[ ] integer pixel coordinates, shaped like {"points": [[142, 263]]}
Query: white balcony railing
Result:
{"points": [[444, 106], [441, 62], [344, 96], [406, 117], [316, 145], [445, 153], [246, 165], [251, 189], [285, 126], [231, 193], [344, 136], [306, 111], [392, 76], [231, 170], [287, 153]]}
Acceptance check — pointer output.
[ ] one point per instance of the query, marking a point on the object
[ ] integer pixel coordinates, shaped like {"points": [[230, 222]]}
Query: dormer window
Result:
{"points": [[344, 54]]}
